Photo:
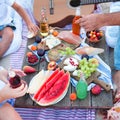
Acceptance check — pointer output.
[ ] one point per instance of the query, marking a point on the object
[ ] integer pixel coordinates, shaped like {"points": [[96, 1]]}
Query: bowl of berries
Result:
{"points": [[95, 36], [32, 59]]}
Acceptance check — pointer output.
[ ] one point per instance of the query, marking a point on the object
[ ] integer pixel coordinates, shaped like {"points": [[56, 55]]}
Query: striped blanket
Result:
{"points": [[55, 114], [47, 113]]}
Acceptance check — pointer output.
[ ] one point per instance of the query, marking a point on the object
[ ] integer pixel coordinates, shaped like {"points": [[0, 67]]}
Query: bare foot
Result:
{"points": [[116, 80]]}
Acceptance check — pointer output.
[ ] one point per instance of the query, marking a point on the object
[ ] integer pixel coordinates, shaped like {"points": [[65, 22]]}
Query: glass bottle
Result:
{"points": [[75, 26], [81, 88], [44, 27], [14, 79]]}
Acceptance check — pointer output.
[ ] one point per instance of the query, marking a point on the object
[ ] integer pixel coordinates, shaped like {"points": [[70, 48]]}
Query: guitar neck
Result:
{"points": [[86, 2], [76, 3]]}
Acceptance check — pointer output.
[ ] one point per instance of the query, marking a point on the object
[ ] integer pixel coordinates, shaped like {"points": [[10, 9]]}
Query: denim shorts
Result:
{"points": [[8, 25]]}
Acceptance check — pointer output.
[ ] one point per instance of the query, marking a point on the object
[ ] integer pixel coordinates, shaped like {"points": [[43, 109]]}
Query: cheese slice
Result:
{"points": [[52, 41]]}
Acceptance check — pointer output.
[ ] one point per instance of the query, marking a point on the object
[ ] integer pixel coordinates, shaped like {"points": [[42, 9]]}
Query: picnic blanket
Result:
{"points": [[56, 114]]}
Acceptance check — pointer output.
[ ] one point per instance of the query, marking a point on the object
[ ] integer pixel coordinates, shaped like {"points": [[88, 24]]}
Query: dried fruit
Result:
{"points": [[55, 33], [41, 52], [29, 69], [33, 48], [73, 96], [37, 39], [85, 56], [29, 54]]}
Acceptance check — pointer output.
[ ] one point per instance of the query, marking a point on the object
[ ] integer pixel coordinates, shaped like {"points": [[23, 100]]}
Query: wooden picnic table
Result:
{"points": [[104, 100]]}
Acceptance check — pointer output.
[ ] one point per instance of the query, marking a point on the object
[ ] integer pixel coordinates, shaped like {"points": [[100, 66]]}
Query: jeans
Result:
{"points": [[113, 36], [117, 53]]}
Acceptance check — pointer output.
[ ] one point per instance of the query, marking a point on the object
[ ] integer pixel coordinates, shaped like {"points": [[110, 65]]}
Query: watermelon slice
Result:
{"points": [[49, 84], [46, 86], [57, 91], [51, 76]]}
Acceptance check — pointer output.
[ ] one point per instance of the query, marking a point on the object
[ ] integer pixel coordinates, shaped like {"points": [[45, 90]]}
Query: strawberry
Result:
{"points": [[96, 90], [29, 69]]}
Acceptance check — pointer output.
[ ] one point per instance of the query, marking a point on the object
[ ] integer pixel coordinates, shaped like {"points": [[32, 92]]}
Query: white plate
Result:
{"points": [[31, 96]]}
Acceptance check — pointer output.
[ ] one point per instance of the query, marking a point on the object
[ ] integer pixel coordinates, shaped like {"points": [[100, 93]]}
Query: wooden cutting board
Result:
{"points": [[92, 79]]}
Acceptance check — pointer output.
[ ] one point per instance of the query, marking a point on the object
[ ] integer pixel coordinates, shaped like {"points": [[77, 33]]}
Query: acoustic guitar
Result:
{"points": [[57, 10]]}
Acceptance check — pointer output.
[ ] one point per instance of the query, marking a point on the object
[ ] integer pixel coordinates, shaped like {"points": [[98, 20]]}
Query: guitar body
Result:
{"points": [[60, 10]]}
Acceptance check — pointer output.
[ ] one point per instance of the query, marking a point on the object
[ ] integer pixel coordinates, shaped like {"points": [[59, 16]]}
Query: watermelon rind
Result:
{"points": [[40, 81], [52, 103]]}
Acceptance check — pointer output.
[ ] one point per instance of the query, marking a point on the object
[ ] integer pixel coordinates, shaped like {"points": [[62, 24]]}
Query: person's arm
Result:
{"points": [[111, 19], [24, 15], [95, 21]]}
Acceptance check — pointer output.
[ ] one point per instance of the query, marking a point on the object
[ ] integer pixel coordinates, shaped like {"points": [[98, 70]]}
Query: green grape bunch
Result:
{"points": [[88, 66], [67, 52]]}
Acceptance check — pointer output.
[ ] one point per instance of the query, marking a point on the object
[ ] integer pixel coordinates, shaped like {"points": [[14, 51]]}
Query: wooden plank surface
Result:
{"points": [[104, 100]]}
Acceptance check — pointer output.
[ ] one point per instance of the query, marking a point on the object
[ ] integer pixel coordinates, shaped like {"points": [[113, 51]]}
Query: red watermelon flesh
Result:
{"points": [[45, 87], [51, 76], [56, 92]]}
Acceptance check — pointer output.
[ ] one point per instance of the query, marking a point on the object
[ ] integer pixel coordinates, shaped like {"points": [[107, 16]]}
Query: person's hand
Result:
{"points": [[19, 72], [4, 74], [91, 22], [8, 92], [33, 28]]}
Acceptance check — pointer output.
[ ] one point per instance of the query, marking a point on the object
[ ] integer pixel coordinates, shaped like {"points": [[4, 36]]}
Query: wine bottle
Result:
{"points": [[75, 26], [44, 27]]}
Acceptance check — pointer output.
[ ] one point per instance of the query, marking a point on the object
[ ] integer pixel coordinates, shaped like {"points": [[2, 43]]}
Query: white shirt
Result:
{"points": [[5, 17]]}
